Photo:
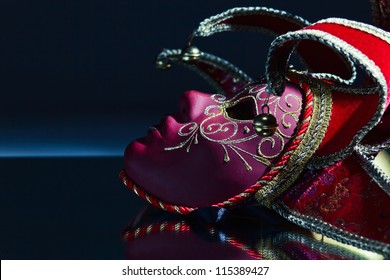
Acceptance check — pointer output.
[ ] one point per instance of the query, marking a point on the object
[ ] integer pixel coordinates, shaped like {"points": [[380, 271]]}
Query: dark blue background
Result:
{"points": [[77, 77]]}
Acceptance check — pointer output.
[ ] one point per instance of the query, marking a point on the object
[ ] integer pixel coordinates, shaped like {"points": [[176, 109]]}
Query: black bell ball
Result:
{"points": [[265, 124]]}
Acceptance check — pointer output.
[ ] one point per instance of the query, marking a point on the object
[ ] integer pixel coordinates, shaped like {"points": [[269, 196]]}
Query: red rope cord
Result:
{"points": [[275, 170]]}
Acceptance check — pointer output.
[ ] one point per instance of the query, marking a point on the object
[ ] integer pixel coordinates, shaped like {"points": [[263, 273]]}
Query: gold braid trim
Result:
{"points": [[318, 125]]}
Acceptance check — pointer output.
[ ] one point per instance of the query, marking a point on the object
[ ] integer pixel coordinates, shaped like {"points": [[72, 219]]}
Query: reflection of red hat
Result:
{"points": [[325, 179], [156, 235]]}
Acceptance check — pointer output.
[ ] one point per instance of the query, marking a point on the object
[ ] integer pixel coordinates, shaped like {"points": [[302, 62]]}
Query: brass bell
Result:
{"points": [[190, 53], [265, 124]]}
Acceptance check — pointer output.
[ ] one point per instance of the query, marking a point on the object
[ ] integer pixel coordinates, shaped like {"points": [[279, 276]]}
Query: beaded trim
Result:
{"points": [[331, 231], [382, 180], [275, 78], [377, 32], [373, 149], [335, 78], [215, 23], [168, 56]]}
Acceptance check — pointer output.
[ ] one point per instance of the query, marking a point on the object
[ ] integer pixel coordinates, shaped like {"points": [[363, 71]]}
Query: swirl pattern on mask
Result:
{"points": [[230, 133]]}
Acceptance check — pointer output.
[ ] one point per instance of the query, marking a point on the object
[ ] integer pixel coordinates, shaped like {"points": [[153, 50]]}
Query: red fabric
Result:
{"points": [[344, 196], [351, 112], [373, 47]]}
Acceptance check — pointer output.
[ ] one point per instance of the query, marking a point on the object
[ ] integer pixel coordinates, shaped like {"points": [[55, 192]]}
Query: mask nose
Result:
{"points": [[193, 104]]}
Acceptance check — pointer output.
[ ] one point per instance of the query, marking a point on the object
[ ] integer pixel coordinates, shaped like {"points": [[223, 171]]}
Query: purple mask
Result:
{"points": [[209, 152]]}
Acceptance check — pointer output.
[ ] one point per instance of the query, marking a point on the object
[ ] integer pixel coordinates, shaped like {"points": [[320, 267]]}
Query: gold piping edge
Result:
{"points": [[318, 125]]}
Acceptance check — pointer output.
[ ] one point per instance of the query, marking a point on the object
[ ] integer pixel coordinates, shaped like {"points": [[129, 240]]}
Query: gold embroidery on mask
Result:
{"points": [[287, 108]]}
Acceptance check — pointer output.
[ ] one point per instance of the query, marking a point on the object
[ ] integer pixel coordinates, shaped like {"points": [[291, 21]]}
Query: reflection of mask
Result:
{"points": [[155, 234], [211, 142]]}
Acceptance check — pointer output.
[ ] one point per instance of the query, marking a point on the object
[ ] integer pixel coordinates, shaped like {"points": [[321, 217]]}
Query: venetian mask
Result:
{"points": [[317, 170], [210, 142]]}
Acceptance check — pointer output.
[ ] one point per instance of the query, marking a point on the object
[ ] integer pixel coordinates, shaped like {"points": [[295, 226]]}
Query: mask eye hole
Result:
{"points": [[244, 109]]}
